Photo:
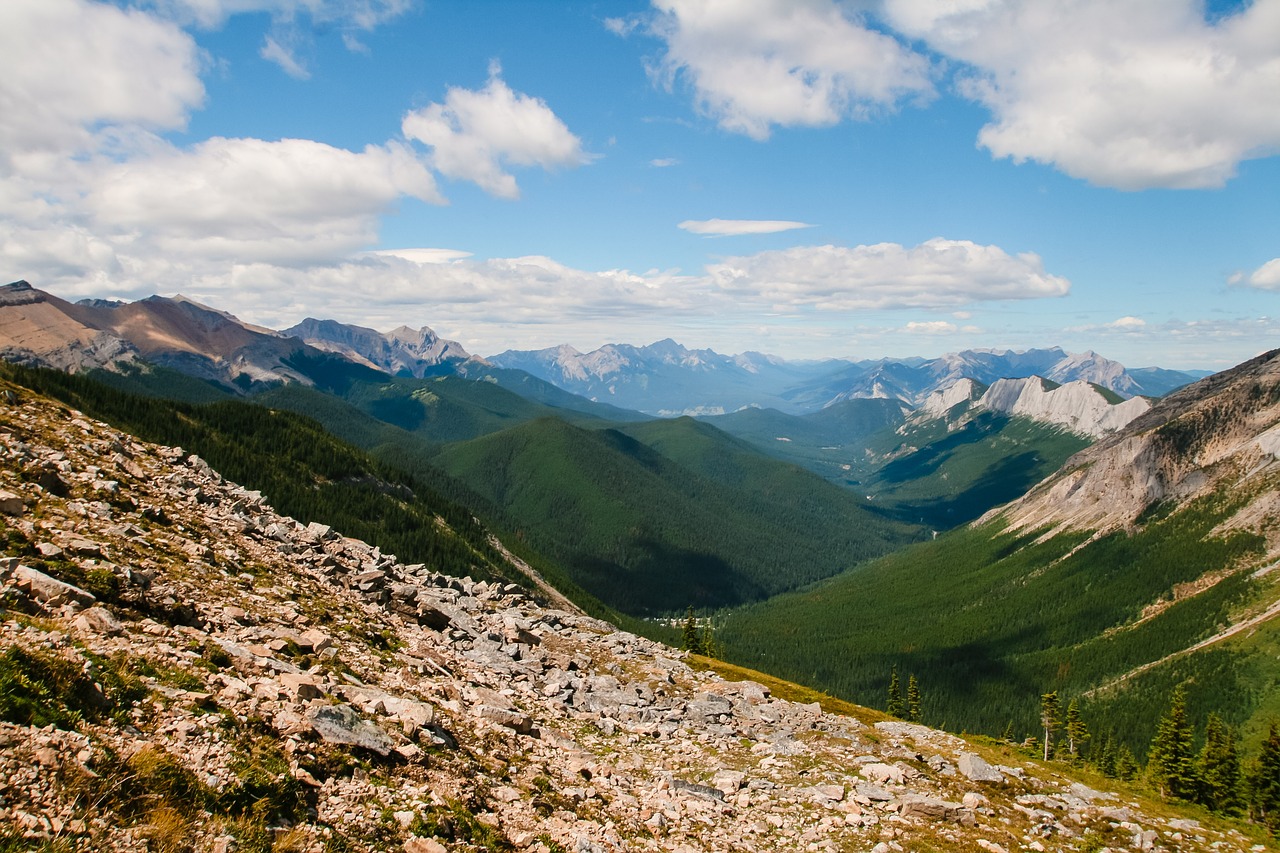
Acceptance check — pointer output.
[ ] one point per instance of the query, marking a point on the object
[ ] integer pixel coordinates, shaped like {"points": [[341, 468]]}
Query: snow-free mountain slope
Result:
{"points": [[1213, 435], [241, 680], [400, 352], [39, 328]]}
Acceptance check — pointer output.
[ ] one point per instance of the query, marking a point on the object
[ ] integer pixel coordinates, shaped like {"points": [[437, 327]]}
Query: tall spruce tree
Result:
{"points": [[913, 699], [1077, 732], [1219, 767], [1171, 760], [1264, 783], [1050, 711], [692, 637], [896, 707]]}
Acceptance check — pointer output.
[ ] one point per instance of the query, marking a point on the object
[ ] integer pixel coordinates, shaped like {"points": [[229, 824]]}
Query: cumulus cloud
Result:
{"points": [[1127, 324], [476, 135], [74, 66], [768, 63], [1131, 95], [1265, 277], [735, 227], [287, 200], [938, 273]]}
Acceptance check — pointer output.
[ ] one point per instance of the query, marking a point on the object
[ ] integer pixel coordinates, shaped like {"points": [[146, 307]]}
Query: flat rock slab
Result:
{"points": [[341, 724]]}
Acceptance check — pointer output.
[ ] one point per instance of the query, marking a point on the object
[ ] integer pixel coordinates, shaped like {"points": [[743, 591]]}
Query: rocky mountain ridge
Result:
{"points": [[1079, 406], [401, 352], [1218, 435], [214, 676]]}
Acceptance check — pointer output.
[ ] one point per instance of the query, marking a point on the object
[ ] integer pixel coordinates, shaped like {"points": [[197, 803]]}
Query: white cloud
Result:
{"points": [[938, 273], [1265, 277], [931, 327], [1132, 94], [476, 135], [73, 66], [273, 51], [664, 162], [423, 255], [766, 63], [362, 14], [1127, 324], [735, 227], [290, 200]]}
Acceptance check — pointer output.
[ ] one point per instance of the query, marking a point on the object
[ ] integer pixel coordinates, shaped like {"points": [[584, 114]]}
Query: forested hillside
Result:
{"points": [[695, 519]]}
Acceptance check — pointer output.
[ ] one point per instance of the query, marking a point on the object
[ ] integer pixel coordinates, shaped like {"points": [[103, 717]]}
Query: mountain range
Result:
{"points": [[666, 379], [1000, 537]]}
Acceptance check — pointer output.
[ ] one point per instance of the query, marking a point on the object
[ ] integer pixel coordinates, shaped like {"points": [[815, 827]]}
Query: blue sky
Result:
{"points": [[807, 178]]}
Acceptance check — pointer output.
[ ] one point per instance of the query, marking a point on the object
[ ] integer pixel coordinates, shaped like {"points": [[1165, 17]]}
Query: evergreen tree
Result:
{"points": [[1077, 732], [1126, 764], [1264, 783], [1050, 710], [1007, 737], [1219, 767], [692, 637], [1170, 761], [896, 707], [1106, 762], [709, 646], [913, 699]]}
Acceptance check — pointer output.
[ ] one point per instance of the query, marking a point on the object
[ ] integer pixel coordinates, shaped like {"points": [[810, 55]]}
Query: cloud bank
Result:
{"points": [[1129, 94]]}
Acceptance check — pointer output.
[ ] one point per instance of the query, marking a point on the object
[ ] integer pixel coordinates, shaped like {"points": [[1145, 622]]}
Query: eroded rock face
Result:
{"points": [[407, 710]]}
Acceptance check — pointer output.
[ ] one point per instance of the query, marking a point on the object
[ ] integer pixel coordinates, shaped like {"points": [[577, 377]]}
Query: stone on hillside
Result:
{"points": [[314, 641], [11, 504], [50, 591], [976, 769], [416, 844], [880, 773], [933, 808], [300, 687], [98, 620], [341, 724], [514, 720]]}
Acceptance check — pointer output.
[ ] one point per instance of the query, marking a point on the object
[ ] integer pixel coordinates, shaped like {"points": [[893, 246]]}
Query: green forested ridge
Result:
{"points": [[938, 474], [1010, 618], [929, 471], [649, 535]]}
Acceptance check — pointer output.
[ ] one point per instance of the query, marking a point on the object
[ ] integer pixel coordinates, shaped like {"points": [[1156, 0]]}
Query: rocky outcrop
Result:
{"points": [[214, 676], [401, 352], [1079, 406], [1214, 435]]}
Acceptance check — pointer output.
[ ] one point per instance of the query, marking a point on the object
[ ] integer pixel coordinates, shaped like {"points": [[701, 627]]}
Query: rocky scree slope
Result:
{"points": [[183, 668]]}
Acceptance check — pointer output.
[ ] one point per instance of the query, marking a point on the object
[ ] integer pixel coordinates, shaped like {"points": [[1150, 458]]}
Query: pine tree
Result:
{"points": [[1007, 737], [913, 699], [1170, 761], [1264, 783], [1219, 767], [1126, 764], [1106, 761], [691, 636], [896, 707], [1077, 733], [1050, 709]]}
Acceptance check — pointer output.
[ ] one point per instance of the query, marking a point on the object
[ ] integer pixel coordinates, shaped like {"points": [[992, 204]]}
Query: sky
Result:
{"points": [[806, 178]]}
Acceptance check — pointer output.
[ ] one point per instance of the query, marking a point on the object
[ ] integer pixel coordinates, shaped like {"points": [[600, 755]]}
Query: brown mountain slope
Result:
{"points": [[39, 328]]}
